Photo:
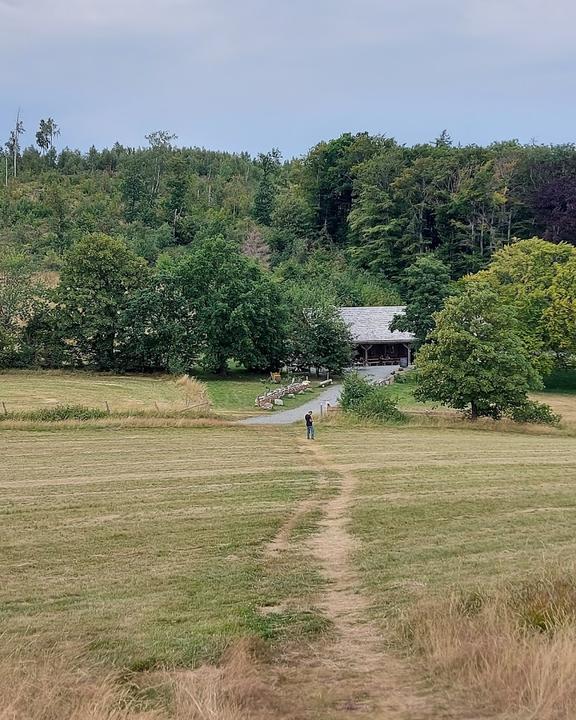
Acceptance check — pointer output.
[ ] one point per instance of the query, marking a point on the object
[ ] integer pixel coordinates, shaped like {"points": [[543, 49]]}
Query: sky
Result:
{"points": [[249, 75]]}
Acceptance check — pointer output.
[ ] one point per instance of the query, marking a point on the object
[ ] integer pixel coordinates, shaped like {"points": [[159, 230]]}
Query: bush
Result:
{"points": [[378, 405], [368, 401], [355, 389], [534, 412], [58, 412]]}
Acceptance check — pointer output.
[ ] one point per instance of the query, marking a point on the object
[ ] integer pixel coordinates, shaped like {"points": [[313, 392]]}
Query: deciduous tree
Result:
{"points": [[476, 357], [98, 274], [238, 308], [426, 285]]}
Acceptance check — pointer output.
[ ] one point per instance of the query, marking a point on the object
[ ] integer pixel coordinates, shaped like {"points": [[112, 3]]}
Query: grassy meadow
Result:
{"points": [[232, 397], [442, 509], [147, 547], [144, 549]]}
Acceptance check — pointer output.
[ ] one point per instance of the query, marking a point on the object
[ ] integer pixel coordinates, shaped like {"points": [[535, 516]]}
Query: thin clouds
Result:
{"points": [[247, 73]]}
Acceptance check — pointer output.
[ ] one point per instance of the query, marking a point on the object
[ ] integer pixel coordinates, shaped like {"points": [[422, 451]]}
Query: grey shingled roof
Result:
{"points": [[372, 324]]}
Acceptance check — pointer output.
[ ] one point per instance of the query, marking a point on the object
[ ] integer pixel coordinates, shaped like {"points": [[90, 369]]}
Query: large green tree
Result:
{"points": [[239, 311], [98, 275], [318, 337], [476, 357], [157, 327], [560, 315], [523, 276]]}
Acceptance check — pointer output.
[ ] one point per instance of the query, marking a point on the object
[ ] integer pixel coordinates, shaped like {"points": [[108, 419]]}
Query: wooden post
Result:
{"points": [[365, 348], [409, 351], [107, 406], [4, 406]]}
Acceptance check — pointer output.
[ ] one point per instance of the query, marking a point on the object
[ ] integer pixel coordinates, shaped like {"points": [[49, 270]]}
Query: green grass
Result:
{"points": [[148, 546], [29, 391], [443, 509]]}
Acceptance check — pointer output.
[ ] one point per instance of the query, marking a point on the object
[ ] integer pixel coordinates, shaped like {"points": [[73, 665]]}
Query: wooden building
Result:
{"points": [[375, 343]]}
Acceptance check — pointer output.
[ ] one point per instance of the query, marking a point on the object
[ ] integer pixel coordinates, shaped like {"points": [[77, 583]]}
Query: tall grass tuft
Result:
{"points": [[55, 686], [195, 392], [50, 685], [511, 653]]}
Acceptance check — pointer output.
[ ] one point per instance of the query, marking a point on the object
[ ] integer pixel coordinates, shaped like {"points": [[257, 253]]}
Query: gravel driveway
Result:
{"points": [[331, 395]]}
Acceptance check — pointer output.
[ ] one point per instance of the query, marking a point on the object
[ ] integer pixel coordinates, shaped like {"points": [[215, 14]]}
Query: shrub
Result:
{"points": [[368, 401], [378, 405], [355, 389], [534, 412]]}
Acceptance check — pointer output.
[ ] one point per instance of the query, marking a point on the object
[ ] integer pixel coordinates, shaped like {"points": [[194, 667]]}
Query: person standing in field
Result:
{"points": [[309, 425]]}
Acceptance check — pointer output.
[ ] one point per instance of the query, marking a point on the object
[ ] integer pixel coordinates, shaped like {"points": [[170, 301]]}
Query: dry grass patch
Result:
{"points": [[510, 653], [44, 684], [50, 685], [195, 392]]}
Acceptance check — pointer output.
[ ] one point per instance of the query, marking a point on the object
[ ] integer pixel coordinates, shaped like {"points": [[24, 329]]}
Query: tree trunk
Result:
{"points": [[473, 411]]}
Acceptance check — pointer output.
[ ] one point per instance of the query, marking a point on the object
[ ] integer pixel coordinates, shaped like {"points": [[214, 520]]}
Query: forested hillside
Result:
{"points": [[170, 228], [377, 203]]}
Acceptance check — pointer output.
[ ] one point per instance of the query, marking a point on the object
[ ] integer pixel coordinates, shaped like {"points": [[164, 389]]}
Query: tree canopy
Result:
{"points": [[200, 240], [476, 357]]}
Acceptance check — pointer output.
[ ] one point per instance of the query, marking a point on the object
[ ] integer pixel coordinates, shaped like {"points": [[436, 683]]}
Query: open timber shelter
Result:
{"points": [[375, 343]]}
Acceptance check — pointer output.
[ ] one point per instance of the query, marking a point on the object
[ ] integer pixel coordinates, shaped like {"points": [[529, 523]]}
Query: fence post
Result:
{"points": [[107, 406], [4, 406]]}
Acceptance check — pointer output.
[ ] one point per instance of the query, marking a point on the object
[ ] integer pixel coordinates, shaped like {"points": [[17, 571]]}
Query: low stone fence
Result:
{"points": [[388, 380], [274, 397]]}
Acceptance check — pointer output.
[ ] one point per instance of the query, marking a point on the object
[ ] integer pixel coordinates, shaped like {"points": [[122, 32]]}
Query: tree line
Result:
{"points": [[162, 255], [110, 310], [361, 201]]}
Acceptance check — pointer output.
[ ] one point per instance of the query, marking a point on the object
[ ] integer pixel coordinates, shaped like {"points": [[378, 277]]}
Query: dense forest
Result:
{"points": [[345, 224]]}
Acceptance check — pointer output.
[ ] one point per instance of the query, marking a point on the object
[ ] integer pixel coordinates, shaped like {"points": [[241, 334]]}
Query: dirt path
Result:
{"points": [[349, 674]]}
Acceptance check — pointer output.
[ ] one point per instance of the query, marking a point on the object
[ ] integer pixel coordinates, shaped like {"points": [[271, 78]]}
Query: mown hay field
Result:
{"points": [[454, 509], [148, 546]]}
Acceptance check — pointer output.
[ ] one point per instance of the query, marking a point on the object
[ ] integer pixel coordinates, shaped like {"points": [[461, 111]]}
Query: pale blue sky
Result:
{"points": [[252, 74]]}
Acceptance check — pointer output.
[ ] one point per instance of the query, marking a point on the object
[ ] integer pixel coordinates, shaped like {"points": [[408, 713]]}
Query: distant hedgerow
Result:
{"points": [[58, 412]]}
